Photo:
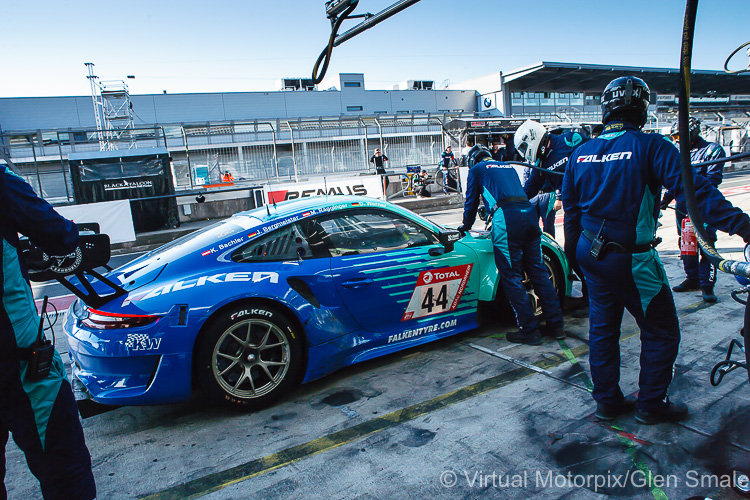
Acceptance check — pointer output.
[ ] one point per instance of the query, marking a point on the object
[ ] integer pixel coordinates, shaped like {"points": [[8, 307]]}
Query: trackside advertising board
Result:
{"points": [[371, 186]]}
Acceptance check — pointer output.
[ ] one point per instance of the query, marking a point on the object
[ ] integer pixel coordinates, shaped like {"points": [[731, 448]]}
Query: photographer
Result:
{"points": [[42, 415]]}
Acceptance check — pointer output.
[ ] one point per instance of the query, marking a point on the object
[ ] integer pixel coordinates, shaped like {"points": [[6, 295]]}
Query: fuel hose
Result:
{"points": [[725, 265]]}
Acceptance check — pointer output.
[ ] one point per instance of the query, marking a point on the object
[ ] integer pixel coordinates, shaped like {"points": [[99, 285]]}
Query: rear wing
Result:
{"points": [[93, 252]]}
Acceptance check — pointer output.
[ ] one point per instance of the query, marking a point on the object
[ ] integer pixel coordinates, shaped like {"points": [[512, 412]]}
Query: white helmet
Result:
{"points": [[531, 140]]}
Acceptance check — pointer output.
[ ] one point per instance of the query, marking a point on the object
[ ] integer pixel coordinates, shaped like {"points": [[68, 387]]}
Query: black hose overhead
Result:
{"points": [[534, 167], [728, 266], [722, 160], [726, 63], [335, 40], [325, 56]]}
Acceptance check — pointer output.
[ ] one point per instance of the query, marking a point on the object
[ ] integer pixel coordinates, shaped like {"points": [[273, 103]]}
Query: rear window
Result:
{"points": [[208, 236]]}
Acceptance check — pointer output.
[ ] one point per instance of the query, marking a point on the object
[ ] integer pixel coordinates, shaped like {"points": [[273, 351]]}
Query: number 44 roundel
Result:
{"points": [[437, 291]]}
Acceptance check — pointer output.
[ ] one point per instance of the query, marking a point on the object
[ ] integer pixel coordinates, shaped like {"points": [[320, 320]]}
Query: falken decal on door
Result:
{"points": [[437, 291]]}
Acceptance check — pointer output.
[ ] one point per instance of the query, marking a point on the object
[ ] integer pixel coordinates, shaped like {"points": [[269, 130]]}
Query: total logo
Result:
{"points": [[427, 277], [444, 276]]}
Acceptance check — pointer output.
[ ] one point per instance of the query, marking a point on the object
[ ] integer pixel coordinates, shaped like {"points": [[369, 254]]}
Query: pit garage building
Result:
{"points": [[300, 131]]}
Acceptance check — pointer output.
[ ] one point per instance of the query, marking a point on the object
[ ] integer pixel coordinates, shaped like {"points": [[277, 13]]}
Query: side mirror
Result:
{"points": [[448, 237]]}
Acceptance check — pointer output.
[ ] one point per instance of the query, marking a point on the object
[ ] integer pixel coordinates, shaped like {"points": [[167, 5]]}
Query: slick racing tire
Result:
{"points": [[555, 275], [247, 357], [503, 305]]}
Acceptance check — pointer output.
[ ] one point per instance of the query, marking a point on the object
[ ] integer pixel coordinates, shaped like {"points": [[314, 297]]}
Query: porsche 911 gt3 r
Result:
{"points": [[249, 306]]}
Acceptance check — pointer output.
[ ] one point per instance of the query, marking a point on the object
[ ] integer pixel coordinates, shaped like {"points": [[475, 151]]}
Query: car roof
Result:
{"points": [[288, 208]]}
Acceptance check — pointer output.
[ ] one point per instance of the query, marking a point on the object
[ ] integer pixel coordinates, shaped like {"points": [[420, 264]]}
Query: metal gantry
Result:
{"points": [[111, 100]]}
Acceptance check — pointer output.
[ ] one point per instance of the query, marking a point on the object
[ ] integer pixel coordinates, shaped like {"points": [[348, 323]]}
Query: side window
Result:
{"points": [[367, 231], [286, 243]]}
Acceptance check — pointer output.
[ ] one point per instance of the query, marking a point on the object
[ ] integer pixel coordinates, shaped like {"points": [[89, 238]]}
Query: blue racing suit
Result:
{"points": [[702, 151], [41, 415], [516, 238], [556, 160], [543, 204], [611, 189]]}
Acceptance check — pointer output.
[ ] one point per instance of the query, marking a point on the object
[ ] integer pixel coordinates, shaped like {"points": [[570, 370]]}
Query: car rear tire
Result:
{"points": [[248, 357]]}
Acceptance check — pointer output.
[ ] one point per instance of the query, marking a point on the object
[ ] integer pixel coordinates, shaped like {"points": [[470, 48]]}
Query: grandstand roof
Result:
{"points": [[569, 77]]}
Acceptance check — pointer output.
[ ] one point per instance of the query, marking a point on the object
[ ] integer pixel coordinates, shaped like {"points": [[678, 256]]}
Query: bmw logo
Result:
{"points": [[487, 102], [427, 278]]}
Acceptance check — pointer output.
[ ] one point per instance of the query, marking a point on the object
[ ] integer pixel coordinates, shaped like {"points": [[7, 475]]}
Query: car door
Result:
{"points": [[297, 255], [393, 277]]}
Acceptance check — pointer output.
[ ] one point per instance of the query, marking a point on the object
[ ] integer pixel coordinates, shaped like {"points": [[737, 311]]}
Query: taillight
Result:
{"points": [[101, 320]]}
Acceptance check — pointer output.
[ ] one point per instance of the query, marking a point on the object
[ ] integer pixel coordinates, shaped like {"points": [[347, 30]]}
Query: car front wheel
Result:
{"points": [[248, 357], [555, 276]]}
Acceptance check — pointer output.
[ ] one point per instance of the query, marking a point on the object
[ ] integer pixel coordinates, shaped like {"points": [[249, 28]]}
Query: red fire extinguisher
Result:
{"points": [[688, 242]]}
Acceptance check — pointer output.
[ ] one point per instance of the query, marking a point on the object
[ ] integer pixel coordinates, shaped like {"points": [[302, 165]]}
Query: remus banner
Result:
{"points": [[370, 186]]}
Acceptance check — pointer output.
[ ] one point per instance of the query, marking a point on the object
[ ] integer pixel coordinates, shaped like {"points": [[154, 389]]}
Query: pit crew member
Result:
{"points": [[517, 243], [550, 152], [701, 275], [40, 413], [611, 195]]}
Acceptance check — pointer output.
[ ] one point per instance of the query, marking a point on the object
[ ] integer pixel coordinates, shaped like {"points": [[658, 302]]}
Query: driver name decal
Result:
{"points": [[437, 291]]}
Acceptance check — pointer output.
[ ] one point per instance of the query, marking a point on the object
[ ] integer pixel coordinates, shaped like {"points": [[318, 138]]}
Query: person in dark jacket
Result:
{"points": [[378, 159], [517, 244], [498, 151], [445, 162], [550, 152], [698, 276], [42, 415], [611, 195]]}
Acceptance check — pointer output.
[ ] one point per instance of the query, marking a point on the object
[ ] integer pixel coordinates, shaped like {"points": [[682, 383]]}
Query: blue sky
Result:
{"points": [[235, 46]]}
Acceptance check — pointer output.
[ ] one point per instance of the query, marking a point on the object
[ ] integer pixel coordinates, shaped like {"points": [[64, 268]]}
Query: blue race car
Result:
{"points": [[252, 305]]}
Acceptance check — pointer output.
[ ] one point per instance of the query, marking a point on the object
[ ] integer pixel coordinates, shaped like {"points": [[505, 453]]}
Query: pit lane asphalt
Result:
{"points": [[403, 425]]}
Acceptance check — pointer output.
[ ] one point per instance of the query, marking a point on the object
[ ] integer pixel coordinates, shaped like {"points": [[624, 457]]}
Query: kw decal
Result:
{"points": [[141, 342]]}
